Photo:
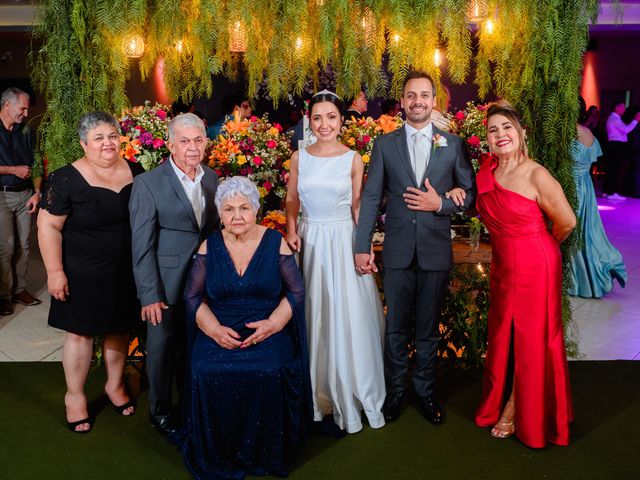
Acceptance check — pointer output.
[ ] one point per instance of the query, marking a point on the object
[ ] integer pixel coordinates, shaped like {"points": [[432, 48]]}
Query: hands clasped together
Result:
{"points": [[230, 339]]}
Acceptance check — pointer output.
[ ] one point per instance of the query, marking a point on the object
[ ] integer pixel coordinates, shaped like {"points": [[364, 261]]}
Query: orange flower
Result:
{"points": [[236, 126], [388, 123]]}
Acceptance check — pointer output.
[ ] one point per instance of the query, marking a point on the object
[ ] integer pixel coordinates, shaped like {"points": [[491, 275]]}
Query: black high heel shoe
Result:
{"points": [[72, 425], [120, 409]]}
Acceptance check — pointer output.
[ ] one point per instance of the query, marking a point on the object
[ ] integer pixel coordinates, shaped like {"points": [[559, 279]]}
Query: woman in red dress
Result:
{"points": [[517, 198]]}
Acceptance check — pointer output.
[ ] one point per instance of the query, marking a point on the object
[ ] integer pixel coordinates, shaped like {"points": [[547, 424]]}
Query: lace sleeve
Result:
{"points": [[56, 198], [292, 280], [194, 292]]}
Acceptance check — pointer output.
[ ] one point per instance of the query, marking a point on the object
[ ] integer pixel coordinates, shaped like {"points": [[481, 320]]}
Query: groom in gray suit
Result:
{"points": [[172, 212], [414, 167]]}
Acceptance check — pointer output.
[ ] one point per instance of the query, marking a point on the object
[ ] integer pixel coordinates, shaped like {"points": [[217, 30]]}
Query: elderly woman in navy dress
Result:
{"points": [[249, 400]]}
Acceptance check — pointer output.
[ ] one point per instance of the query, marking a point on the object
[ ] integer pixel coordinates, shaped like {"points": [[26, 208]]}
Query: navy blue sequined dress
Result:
{"points": [[248, 408]]}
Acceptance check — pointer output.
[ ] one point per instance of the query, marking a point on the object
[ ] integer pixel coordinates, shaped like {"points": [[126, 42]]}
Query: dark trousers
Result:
{"points": [[408, 291], [617, 167], [165, 358]]}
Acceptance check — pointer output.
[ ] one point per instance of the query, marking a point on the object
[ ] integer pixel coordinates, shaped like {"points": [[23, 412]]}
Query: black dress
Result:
{"points": [[96, 255]]}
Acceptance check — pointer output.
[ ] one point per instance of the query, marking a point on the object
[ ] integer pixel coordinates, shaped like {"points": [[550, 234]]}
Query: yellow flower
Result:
{"points": [[351, 142], [263, 192], [241, 159], [286, 164], [273, 131], [365, 158]]}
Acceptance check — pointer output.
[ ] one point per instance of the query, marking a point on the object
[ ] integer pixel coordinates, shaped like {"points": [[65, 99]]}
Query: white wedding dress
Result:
{"points": [[345, 321]]}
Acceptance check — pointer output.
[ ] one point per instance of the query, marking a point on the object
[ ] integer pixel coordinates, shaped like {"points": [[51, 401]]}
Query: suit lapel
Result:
{"points": [[435, 154], [208, 190], [403, 153], [177, 187]]}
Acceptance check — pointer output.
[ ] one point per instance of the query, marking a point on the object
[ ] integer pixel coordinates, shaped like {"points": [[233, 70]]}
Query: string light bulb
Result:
{"points": [[488, 26], [437, 59], [133, 46]]}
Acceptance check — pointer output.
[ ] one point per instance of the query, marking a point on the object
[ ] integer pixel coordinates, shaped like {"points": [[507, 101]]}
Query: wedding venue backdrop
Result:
{"points": [[527, 52]]}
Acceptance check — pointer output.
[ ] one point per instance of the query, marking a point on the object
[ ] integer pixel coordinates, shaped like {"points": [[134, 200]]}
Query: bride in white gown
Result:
{"points": [[344, 314]]}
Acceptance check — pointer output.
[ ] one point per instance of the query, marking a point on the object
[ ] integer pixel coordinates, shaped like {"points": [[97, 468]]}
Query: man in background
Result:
{"points": [[19, 198]]}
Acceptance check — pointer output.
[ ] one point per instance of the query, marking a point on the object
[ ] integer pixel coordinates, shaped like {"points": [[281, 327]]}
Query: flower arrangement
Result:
{"points": [[144, 134], [360, 134], [471, 125], [276, 220], [256, 149]]}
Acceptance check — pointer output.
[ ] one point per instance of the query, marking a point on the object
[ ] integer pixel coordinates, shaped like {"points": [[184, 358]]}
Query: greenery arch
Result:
{"points": [[533, 56]]}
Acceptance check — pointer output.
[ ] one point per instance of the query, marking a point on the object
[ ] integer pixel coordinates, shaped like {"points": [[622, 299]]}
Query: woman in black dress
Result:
{"points": [[85, 240]]}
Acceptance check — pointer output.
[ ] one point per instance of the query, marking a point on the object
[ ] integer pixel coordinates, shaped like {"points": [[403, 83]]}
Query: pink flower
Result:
{"points": [[267, 186], [253, 119], [257, 161], [366, 138], [158, 143], [278, 127], [161, 114], [138, 127], [460, 115], [272, 144], [484, 122], [474, 141]]}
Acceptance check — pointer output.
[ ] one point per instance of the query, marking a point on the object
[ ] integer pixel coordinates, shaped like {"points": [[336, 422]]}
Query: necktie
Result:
{"points": [[420, 155]]}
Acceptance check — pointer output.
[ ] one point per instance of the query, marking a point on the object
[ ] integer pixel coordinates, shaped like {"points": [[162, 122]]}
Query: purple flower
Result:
{"points": [[146, 139]]}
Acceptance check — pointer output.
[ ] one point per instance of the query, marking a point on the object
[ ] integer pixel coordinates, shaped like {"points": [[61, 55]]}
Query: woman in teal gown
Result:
{"points": [[597, 262]]}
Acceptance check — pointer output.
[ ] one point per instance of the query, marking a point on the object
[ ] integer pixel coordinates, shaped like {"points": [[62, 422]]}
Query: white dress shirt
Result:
{"points": [[617, 130], [192, 188]]}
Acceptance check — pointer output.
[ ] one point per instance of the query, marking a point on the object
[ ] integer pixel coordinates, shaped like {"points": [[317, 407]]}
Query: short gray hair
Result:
{"points": [[185, 120], [91, 120], [11, 94], [237, 187]]}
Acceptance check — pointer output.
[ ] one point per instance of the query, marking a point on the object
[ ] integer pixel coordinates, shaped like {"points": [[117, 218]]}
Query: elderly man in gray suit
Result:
{"points": [[172, 212], [414, 166]]}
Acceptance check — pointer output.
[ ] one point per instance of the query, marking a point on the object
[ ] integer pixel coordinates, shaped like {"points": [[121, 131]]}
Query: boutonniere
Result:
{"points": [[439, 141]]}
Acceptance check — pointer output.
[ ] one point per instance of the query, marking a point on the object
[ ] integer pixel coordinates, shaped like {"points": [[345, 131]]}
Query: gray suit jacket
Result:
{"points": [[426, 234], [165, 233]]}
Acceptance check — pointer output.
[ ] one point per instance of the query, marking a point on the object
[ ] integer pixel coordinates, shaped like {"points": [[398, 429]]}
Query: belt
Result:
{"points": [[12, 188]]}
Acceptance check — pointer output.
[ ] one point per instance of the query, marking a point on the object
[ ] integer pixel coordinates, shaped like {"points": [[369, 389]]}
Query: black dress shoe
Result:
{"points": [[431, 410], [163, 424], [393, 406]]}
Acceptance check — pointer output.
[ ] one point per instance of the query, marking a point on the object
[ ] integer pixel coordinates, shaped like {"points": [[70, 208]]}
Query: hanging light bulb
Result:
{"points": [[133, 45], [437, 60], [476, 10], [396, 38], [299, 43], [488, 26], [179, 46], [237, 37]]}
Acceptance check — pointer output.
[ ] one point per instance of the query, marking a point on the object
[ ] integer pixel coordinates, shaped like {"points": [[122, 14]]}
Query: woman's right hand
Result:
{"points": [[294, 241], [224, 336], [58, 286], [457, 195]]}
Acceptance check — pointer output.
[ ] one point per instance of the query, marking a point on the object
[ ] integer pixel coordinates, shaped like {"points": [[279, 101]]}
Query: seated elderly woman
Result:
{"points": [[248, 388], [85, 240]]}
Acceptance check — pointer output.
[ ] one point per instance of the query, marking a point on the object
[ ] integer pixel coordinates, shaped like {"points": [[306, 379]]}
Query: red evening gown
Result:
{"points": [[526, 291]]}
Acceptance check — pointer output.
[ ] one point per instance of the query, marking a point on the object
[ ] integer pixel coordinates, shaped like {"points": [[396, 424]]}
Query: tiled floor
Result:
{"points": [[607, 328]]}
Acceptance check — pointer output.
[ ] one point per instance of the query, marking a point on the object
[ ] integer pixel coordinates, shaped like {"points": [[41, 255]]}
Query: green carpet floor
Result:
{"points": [[35, 442]]}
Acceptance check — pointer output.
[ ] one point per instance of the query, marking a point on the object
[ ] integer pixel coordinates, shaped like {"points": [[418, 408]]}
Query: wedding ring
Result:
{"points": [[255, 343]]}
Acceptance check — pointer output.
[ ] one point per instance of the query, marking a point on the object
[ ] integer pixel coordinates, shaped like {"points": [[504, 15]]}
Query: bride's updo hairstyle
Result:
{"points": [[327, 96], [504, 108]]}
